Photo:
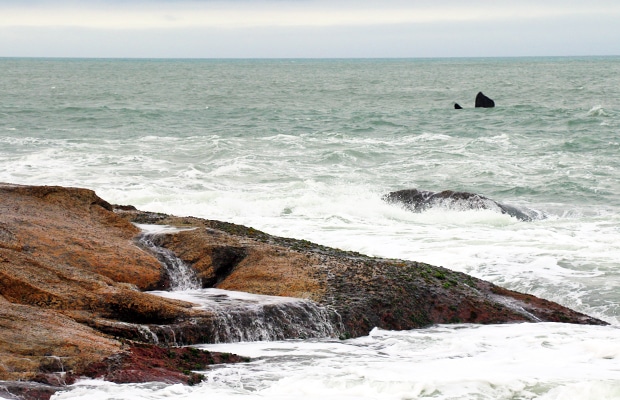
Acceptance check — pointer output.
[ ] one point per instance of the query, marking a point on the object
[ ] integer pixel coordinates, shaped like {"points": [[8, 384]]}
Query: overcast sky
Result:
{"points": [[308, 28]]}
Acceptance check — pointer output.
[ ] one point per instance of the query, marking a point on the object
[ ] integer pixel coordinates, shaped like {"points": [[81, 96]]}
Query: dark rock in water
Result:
{"points": [[27, 390], [148, 363], [483, 101], [422, 200]]}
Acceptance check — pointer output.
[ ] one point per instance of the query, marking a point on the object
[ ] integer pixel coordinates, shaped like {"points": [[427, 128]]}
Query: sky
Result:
{"points": [[308, 28]]}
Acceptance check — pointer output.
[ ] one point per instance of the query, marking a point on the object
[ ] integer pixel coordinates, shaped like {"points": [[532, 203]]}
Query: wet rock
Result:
{"points": [[482, 101], [365, 292], [213, 260], [149, 363], [421, 200], [27, 390]]}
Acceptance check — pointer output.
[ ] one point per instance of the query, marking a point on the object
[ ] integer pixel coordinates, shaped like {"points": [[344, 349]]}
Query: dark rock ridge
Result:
{"points": [[421, 200], [72, 276]]}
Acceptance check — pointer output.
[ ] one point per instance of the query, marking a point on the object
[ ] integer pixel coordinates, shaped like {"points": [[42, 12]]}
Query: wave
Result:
{"points": [[597, 111]]}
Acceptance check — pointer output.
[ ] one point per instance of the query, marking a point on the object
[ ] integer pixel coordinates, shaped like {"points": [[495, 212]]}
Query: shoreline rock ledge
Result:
{"points": [[74, 288]]}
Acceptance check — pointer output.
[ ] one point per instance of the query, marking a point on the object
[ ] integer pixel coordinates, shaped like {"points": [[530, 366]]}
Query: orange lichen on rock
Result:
{"points": [[277, 273]]}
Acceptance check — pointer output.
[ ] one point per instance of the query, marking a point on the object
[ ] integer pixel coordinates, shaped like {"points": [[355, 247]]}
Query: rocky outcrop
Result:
{"points": [[421, 200], [71, 283], [365, 291], [73, 276]]}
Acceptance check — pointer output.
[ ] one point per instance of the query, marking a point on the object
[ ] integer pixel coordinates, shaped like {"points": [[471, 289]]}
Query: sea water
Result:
{"points": [[307, 149]]}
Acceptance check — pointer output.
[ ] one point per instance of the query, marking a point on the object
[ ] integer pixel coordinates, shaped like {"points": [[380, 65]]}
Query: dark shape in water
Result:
{"points": [[483, 101], [421, 200]]}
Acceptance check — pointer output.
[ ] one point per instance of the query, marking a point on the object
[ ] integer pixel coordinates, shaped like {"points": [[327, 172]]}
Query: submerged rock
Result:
{"points": [[72, 276], [421, 200]]}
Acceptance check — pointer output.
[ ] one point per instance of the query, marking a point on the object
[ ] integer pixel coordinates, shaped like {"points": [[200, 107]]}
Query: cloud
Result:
{"points": [[273, 13], [307, 28]]}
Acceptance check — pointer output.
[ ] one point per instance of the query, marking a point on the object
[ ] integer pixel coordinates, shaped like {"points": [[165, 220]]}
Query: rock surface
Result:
{"points": [[365, 291], [70, 284], [72, 276]]}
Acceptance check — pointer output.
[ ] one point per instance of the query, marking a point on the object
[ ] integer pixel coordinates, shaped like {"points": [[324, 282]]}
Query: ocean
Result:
{"points": [[307, 149]]}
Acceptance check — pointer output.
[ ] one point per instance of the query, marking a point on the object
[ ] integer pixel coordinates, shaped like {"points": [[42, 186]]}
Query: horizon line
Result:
{"points": [[302, 58]]}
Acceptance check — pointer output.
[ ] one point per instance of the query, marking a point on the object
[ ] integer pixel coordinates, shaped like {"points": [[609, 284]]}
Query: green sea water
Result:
{"points": [[386, 123]]}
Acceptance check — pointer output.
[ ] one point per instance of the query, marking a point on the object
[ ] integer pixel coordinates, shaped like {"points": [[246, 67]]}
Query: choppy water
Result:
{"points": [[306, 148]]}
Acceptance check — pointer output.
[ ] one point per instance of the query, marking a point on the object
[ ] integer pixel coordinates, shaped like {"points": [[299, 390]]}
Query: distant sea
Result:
{"points": [[307, 148]]}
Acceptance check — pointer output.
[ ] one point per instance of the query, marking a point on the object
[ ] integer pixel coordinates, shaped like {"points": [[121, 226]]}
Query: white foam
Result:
{"points": [[213, 298], [156, 229], [597, 111], [442, 362]]}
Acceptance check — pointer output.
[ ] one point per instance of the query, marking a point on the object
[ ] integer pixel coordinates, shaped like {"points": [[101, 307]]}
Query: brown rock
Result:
{"points": [[34, 340], [71, 229], [234, 262], [66, 257]]}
